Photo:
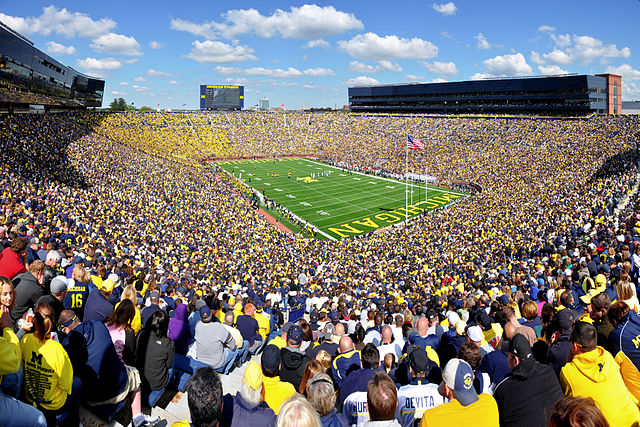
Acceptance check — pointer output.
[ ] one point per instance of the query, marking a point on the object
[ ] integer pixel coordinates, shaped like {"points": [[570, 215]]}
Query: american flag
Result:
{"points": [[414, 143]]}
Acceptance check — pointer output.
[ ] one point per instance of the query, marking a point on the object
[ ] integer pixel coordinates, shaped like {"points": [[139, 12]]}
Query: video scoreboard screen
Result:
{"points": [[221, 97]]}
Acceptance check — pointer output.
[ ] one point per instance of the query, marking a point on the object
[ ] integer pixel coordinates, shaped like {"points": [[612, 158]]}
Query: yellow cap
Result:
{"points": [[253, 375], [107, 285]]}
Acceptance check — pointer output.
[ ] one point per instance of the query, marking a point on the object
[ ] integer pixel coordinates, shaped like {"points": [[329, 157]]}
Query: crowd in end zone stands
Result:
{"points": [[127, 269]]}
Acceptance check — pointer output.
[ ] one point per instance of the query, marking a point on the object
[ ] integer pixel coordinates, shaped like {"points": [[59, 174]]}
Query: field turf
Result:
{"points": [[340, 204]]}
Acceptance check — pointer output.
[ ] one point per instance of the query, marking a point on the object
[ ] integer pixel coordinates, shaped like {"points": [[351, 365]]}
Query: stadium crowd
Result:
{"points": [[128, 265]]}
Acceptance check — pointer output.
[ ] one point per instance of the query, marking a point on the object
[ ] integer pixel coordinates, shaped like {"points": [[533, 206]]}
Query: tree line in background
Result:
{"points": [[119, 104]]}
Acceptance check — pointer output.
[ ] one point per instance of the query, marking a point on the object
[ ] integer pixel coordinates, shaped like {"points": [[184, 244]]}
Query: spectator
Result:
{"points": [[281, 341], [77, 294], [592, 372], [119, 326], [528, 332], [622, 339], [296, 411], [419, 395], [560, 341], [147, 312], [293, 358], [313, 367], [98, 306], [48, 373], [96, 362], [241, 345], [470, 353], [214, 343], [388, 345], [248, 327], [247, 408], [328, 343], [204, 397], [600, 304], [13, 260], [155, 356], [464, 403], [13, 411], [358, 379], [58, 289], [28, 289], [275, 390], [179, 331], [382, 401], [348, 360], [527, 395], [321, 396], [474, 335], [129, 293], [577, 412]]}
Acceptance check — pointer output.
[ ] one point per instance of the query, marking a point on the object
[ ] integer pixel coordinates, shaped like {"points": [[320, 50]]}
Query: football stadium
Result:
{"points": [[435, 253]]}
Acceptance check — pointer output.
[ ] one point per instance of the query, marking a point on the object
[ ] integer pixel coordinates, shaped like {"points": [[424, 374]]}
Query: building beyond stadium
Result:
{"points": [[30, 77], [573, 95]]}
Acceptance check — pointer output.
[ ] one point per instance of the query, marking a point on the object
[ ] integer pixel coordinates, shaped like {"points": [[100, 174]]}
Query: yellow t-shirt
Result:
{"points": [[278, 342], [276, 392], [483, 413], [48, 374]]}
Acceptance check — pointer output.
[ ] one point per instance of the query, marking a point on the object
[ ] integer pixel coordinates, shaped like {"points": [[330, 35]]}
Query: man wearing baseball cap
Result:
{"points": [[275, 390], [294, 360], [98, 306], [419, 395], [528, 394], [466, 407]]}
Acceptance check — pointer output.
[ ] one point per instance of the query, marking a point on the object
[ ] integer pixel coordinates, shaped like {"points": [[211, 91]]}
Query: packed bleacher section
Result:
{"points": [[132, 270]]}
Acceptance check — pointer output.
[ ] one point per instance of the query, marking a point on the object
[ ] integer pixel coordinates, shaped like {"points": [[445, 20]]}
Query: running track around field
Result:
{"points": [[273, 221]]}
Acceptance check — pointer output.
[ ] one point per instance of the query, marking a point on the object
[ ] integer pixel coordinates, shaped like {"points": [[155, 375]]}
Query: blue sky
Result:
{"points": [[299, 54]]}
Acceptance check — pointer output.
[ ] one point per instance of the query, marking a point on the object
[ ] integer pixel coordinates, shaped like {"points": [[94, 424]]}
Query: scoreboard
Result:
{"points": [[221, 97]]}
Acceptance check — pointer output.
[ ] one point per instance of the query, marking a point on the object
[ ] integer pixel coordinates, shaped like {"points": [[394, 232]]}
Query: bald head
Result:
{"points": [[422, 326], [339, 329], [346, 345], [387, 334], [509, 330]]}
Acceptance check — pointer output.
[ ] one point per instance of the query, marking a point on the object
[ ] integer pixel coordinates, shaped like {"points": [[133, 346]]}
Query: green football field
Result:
{"points": [[340, 204]]}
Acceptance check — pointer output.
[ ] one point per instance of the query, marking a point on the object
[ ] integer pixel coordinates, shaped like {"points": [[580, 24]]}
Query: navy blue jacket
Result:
{"points": [[356, 381], [95, 361], [333, 419], [496, 365], [97, 307], [237, 413], [559, 352]]}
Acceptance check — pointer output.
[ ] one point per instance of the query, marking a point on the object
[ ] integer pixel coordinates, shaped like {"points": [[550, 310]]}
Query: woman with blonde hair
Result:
{"points": [[297, 412], [129, 293], [625, 293], [48, 375]]}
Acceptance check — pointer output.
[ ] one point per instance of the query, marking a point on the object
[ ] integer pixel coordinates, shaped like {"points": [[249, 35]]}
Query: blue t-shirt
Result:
{"points": [[248, 327]]}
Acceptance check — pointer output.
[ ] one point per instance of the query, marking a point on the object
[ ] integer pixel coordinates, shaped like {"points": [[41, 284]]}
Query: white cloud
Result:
{"points": [[219, 52], [314, 87], [317, 43], [626, 71], [155, 73], [59, 21], [116, 44], [306, 21], [117, 93], [174, 82], [571, 49], [631, 91], [551, 69], [124, 84], [558, 57], [318, 72], [413, 78], [139, 79], [140, 88], [439, 80], [373, 47], [441, 68], [59, 49], [546, 29], [536, 58], [505, 65], [446, 35], [445, 8], [238, 81], [482, 41], [98, 67], [361, 81], [156, 45], [275, 73], [383, 65]]}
